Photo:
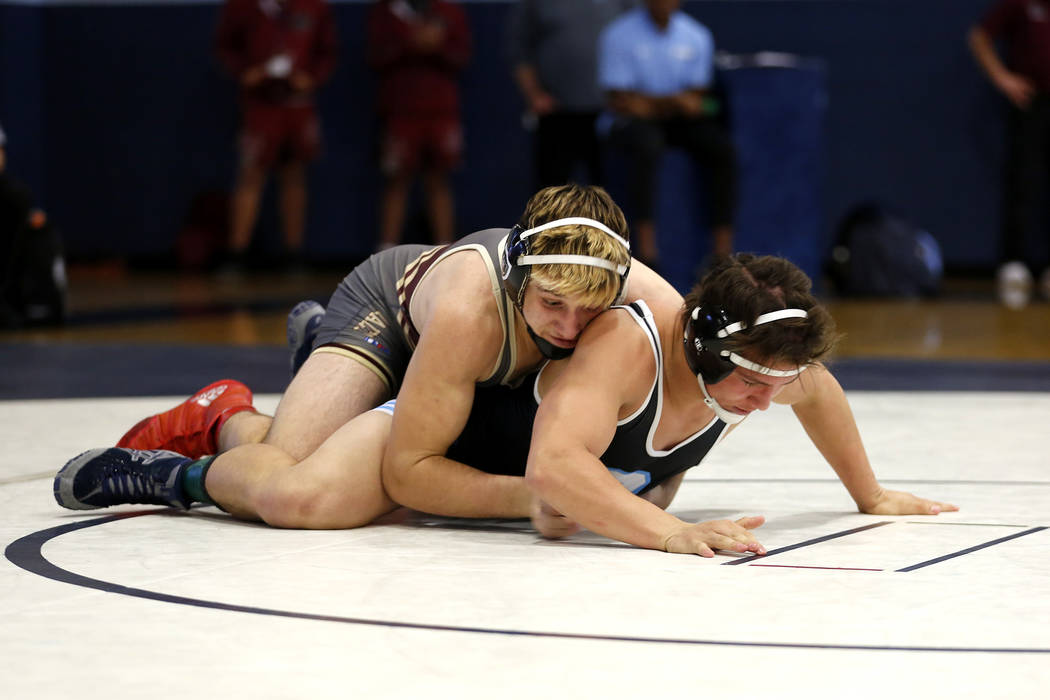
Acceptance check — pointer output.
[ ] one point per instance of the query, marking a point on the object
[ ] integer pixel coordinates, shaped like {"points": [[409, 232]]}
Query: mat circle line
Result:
{"points": [[27, 553]]}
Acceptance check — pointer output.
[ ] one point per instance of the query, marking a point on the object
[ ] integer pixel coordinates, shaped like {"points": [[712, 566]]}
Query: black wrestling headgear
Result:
{"points": [[706, 349]]}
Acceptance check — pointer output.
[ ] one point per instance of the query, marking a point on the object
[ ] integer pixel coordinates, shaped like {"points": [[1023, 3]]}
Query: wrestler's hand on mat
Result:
{"points": [[903, 503], [550, 523], [703, 538]]}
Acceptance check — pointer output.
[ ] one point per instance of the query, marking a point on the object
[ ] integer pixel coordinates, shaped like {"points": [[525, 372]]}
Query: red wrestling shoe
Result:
{"points": [[191, 428]]}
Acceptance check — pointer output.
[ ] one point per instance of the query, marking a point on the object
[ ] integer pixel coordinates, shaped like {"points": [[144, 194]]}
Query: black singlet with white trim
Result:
{"points": [[497, 435]]}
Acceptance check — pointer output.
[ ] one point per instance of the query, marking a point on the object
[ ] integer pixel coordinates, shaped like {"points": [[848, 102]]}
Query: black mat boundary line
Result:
{"points": [[968, 550], [27, 553], [780, 550], [950, 522], [835, 480]]}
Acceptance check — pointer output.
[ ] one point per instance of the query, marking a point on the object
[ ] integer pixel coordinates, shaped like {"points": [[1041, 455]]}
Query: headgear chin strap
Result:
{"points": [[708, 357], [728, 417], [517, 260]]}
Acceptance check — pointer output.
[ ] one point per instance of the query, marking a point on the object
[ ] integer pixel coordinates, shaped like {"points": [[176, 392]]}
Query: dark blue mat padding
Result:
{"points": [[881, 374], [38, 371]]}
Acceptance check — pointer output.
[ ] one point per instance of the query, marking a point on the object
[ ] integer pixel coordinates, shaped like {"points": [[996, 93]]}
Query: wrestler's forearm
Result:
{"points": [[828, 420], [594, 499], [662, 495], [442, 486]]}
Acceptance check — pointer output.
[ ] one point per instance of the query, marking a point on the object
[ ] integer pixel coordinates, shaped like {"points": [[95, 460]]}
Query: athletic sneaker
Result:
{"points": [[1014, 283], [192, 427], [113, 475], [304, 320]]}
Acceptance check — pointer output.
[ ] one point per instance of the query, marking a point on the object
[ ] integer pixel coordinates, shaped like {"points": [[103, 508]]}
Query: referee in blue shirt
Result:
{"points": [[656, 65]]}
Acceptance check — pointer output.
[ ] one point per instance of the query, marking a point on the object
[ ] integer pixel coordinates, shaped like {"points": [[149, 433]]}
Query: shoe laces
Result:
{"points": [[118, 480]]}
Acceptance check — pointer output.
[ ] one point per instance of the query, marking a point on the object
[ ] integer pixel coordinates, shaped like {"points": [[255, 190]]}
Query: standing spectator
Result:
{"points": [[1024, 26], [280, 52], [553, 47], [418, 48], [656, 64]]}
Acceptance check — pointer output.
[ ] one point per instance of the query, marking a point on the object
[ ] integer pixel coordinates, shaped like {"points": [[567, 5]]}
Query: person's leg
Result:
{"points": [[293, 204], [259, 143], [303, 137], [1041, 106], [1024, 183], [553, 152], [440, 204], [244, 206], [243, 428], [193, 427], [644, 142], [399, 162], [339, 486], [442, 142], [708, 143], [392, 208], [329, 390], [589, 146]]}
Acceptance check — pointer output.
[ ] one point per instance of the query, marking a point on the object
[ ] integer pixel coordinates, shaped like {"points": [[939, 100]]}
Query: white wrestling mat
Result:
{"points": [[143, 602]]}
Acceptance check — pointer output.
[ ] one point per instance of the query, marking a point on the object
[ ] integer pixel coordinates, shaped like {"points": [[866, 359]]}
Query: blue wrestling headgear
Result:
{"points": [[517, 260]]}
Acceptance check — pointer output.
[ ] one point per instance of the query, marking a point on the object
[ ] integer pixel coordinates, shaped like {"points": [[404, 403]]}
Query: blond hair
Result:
{"points": [[593, 286]]}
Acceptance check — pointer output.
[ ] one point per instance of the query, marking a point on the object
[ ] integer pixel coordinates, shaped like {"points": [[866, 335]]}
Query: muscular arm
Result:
{"points": [[576, 422], [643, 283], [458, 345], [662, 495], [821, 406]]}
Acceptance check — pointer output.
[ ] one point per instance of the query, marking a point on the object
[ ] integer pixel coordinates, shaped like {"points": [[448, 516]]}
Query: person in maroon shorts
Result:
{"points": [[279, 51], [418, 48]]}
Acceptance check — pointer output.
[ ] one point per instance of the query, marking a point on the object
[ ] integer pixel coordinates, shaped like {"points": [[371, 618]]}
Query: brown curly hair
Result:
{"points": [[747, 286]]}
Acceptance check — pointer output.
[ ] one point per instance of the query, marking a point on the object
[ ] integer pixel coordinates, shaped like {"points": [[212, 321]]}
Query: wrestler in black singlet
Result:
{"points": [[496, 437]]}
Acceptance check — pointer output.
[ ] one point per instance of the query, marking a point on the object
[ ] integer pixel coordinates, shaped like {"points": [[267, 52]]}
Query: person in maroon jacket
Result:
{"points": [[418, 48], [1023, 28], [279, 51]]}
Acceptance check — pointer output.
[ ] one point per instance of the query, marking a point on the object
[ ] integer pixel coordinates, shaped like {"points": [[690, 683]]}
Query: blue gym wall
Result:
{"points": [[117, 114]]}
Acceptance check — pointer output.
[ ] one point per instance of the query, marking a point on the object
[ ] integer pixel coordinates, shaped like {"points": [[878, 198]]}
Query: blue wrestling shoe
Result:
{"points": [[113, 475], [304, 320]]}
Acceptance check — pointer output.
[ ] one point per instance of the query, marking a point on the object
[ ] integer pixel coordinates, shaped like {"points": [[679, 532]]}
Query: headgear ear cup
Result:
{"points": [[515, 276], [703, 346]]}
